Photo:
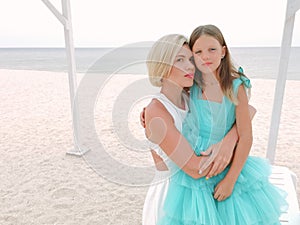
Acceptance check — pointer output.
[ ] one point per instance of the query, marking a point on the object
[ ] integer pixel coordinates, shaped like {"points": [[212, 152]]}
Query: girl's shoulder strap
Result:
{"points": [[241, 80]]}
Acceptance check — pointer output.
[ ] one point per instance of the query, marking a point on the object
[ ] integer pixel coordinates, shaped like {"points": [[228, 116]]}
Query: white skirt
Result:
{"points": [[155, 197]]}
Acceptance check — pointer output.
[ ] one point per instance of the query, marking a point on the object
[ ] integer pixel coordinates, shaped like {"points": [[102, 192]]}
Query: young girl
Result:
{"points": [[241, 194]]}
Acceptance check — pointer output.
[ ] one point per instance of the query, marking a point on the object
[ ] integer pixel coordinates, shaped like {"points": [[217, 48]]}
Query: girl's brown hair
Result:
{"points": [[227, 71]]}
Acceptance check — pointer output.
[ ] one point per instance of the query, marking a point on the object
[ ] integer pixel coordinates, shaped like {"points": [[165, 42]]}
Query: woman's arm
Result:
{"points": [[244, 128], [158, 161], [160, 129]]}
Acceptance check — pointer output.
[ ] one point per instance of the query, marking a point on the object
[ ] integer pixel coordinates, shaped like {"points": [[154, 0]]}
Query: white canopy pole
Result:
{"points": [[65, 19], [292, 7]]}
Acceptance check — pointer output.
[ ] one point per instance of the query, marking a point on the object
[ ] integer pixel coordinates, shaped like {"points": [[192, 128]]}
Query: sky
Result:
{"points": [[114, 23]]}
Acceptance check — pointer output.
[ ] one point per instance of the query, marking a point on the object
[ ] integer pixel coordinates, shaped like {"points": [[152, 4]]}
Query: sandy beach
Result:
{"points": [[41, 184]]}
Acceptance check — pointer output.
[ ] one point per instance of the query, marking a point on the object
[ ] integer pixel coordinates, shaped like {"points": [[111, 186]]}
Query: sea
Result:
{"points": [[257, 62]]}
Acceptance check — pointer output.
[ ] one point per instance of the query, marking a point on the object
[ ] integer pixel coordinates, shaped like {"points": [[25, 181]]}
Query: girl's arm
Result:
{"points": [[160, 129], [220, 154], [158, 161], [244, 128]]}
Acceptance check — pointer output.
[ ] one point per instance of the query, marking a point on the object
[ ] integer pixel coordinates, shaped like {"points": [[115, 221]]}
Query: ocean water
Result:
{"points": [[258, 62]]}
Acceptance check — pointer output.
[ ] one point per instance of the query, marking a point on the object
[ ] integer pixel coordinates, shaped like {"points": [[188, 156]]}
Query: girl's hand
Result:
{"points": [[220, 155], [142, 118], [224, 189]]}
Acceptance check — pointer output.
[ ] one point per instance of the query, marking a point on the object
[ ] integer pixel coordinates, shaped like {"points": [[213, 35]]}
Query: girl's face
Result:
{"points": [[182, 71], [208, 54]]}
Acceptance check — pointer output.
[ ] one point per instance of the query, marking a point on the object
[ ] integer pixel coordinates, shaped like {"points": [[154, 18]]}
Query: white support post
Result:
{"points": [[292, 8], [65, 19], [56, 13]]}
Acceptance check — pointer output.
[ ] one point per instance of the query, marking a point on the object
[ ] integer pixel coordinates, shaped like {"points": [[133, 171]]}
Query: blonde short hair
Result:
{"points": [[162, 56]]}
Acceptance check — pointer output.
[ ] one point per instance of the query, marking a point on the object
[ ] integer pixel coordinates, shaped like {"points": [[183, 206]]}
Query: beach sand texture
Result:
{"points": [[40, 184]]}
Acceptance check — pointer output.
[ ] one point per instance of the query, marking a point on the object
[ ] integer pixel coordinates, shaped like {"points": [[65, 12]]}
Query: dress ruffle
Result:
{"points": [[253, 201]]}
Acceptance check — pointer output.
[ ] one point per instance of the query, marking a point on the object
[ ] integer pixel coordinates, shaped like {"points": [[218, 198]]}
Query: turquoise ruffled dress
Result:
{"points": [[189, 201]]}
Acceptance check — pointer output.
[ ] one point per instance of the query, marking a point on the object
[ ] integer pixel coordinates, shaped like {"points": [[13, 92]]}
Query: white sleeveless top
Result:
{"points": [[157, 192], [178, 115]]}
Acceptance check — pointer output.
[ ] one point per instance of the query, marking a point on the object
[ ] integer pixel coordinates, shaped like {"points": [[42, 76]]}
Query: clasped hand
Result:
{"points": [[219, 156]]}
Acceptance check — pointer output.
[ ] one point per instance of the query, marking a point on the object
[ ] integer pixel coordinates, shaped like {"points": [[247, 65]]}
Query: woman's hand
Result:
{"points": [[193, 170], [220, 155], [142, 118]]}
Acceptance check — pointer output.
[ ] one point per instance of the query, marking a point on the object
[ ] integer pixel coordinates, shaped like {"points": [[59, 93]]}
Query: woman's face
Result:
{"points": [[182, 71], [208, 54]]}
